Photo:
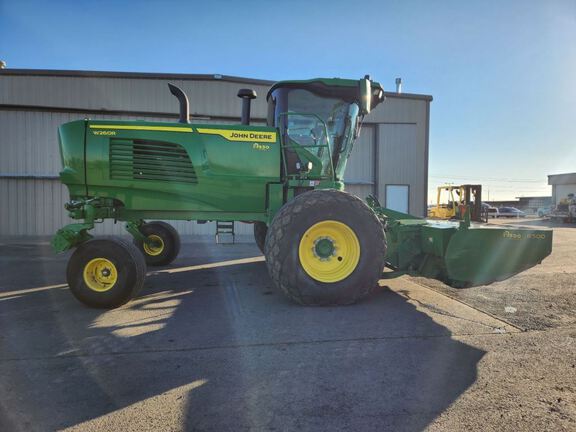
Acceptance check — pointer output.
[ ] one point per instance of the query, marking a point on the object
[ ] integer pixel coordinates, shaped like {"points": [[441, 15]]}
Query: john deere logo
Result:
{"points": [[240, 135], [252, 136]]}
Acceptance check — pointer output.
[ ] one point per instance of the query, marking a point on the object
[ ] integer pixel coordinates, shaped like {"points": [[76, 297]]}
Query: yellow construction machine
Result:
{"points": [[452, 201]]}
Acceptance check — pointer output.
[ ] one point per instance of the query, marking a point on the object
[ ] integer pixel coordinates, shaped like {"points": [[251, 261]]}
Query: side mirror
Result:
{"points": [[365, 96]]}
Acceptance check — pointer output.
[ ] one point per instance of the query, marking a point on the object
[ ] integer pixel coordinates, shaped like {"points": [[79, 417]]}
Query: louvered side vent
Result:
{"points": [[150, 160]]}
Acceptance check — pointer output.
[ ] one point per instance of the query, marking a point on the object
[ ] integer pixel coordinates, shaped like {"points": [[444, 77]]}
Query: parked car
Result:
{"points": [[491, 212], [510, 212], [543, 211]]}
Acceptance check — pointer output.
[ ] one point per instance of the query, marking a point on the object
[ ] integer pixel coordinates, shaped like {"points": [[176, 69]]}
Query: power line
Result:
{"points": [[502, 186], [483, 179]]}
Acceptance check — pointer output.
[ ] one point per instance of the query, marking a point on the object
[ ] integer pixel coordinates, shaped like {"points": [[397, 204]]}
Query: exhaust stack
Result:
{"points": [[246, 95], [184, 106]]}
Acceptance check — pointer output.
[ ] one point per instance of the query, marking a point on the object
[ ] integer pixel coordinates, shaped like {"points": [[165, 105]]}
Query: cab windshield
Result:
{"points": [[318, 125]]}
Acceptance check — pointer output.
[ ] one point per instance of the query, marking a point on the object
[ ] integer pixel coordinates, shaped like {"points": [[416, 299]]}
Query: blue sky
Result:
{"points": [[502, 73]]}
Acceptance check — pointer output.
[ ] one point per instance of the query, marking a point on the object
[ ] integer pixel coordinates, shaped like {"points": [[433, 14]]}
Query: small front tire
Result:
{"points": [[106, 273], [166, 243]]}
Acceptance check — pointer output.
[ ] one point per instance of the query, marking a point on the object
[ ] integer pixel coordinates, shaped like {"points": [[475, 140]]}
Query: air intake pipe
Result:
{"points": [[246, 95], [183, 100]]}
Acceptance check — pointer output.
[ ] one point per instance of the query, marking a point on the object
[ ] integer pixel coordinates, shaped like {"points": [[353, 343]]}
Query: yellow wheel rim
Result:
{"points": [[100, 274], [329, 251], [155, 249]]}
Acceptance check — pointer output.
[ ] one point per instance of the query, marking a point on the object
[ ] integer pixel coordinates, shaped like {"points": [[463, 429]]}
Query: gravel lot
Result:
{"points": [[540, 298], [214, 348]]}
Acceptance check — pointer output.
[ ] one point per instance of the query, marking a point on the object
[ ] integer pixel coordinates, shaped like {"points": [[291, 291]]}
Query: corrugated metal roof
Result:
{"points": [[133, 75]]}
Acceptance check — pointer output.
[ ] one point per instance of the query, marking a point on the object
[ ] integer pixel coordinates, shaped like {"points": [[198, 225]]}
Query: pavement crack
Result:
{"points": [[247, 345]]}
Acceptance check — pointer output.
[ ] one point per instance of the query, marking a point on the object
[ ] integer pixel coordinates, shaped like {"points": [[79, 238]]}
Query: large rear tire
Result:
{"points": [[325, 247], [260, 230], [166, 243], [106, 273]]}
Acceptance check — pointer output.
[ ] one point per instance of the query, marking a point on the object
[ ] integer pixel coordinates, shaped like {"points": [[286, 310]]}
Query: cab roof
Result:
{"points": [[346, 89]]}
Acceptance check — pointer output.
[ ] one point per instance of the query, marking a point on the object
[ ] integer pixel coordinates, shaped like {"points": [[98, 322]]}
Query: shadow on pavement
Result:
{"points": [[235, 354]]}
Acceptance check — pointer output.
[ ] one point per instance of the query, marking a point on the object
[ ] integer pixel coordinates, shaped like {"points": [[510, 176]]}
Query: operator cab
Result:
{"points": [[319, 121]]}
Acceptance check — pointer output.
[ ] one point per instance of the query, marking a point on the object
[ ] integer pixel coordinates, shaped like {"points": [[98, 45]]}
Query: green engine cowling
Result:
{"points": [[182, 167]]}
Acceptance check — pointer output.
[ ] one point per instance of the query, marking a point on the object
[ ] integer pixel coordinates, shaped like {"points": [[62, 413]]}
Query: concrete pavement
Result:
{"points": [[214, 348]]}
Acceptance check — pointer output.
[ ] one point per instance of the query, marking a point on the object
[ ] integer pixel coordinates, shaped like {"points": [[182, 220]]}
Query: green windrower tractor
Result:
{"points": [[322, 245]]}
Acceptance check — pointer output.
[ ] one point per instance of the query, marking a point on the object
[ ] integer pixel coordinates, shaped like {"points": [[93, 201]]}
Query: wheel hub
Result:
{"points": [[324, 248], [100, 274], [155, 246], [329, 251]]}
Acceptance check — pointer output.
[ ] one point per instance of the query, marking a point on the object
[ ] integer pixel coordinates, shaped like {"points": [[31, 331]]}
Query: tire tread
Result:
{"points": [[276, 257]]}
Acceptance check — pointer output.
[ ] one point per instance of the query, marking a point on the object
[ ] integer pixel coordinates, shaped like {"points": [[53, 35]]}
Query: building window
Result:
{"points": [[398, 198]]}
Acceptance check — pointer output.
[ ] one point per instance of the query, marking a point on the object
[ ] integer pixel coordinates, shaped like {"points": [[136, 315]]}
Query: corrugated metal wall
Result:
{"points": [[32, 107], [399, 144], [359, 177]]}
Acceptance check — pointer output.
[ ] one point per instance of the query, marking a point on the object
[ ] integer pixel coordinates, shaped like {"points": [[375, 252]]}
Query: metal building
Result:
{"points": [[562, 185], [390, 158]]}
